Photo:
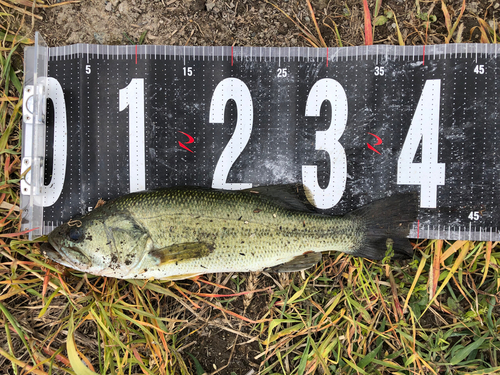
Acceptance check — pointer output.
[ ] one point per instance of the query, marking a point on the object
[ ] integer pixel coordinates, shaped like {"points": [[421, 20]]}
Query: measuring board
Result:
{"points": [[353, 124]]}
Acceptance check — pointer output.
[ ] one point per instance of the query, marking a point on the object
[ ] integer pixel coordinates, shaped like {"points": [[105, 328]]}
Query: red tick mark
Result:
{"points": [[190, 140], [379, 142]]}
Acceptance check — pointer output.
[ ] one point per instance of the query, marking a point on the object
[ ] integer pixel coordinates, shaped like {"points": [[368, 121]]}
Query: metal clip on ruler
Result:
{"points": [[33, 148], [354, 124]]}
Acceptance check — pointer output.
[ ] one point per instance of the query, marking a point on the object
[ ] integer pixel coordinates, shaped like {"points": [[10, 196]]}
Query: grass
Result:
{"points": [[436, 314]]}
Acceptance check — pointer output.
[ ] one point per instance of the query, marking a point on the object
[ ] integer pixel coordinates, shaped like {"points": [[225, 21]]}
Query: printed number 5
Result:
{"points": [[328, 89]]}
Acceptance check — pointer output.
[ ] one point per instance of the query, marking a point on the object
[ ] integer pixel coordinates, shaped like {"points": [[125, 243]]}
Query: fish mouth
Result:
{"points": [[65, 255]]}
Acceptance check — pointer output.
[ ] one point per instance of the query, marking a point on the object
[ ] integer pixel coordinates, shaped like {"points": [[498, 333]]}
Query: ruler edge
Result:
{"points": [[333, 54]]}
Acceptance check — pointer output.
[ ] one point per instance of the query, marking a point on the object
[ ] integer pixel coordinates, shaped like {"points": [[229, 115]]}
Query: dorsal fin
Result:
{"points": [[290, 196]]}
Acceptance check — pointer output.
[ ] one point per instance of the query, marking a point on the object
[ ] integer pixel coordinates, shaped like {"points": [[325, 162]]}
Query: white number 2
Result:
{"points": [[424, 127], [231, 88], [330, 90]]}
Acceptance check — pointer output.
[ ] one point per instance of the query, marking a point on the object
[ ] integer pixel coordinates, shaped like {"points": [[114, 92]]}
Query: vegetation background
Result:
{"points": [[437, 313]]}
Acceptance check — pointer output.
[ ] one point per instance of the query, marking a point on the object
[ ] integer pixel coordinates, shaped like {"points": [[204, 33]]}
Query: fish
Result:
{"points": [[182, 232]]}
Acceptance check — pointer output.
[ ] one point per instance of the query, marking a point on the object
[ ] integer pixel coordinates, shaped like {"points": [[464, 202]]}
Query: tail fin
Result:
{"points": [[388, 218]]}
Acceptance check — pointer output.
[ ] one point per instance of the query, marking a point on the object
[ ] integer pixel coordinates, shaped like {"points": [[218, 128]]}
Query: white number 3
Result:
{"points": [[330, 90]]}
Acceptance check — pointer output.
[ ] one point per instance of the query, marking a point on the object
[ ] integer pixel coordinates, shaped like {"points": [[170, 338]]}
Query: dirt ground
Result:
{"points": [[246, 23], [249, 22]]}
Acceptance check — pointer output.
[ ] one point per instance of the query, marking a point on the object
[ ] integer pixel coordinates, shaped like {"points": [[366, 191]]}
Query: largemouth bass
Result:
{"points": [[176, 233]]}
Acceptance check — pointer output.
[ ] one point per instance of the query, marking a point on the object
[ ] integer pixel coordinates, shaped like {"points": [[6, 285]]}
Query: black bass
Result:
{"points": [[177, 233]]}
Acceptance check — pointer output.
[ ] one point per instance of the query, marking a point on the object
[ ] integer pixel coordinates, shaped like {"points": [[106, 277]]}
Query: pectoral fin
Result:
{"points": [[181, 277], [181, 251], [298, 263]]}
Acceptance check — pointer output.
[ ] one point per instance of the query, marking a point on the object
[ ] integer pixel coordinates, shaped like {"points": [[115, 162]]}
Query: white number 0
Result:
{"points": [[330, 90]]}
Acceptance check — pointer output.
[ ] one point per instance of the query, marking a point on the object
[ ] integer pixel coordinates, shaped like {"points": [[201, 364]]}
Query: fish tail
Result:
{"points": [[387, 221]]}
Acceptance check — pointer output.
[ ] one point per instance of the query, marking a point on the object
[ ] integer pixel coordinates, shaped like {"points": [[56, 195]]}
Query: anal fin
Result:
{"points": [[181, 251], [299, 263]]}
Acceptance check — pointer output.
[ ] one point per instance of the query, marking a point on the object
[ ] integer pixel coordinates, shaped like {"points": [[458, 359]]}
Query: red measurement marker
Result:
{"points": [[379, 142], [190, 140]]}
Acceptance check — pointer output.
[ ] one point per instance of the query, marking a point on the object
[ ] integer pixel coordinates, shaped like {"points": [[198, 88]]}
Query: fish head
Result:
{"points": [[103, 245]]}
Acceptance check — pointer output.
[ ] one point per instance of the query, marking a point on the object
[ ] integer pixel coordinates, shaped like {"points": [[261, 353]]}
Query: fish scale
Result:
{"points": [[244, 240]]}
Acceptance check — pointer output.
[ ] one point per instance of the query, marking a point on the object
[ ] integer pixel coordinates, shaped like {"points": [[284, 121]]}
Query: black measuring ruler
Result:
{"points": [[353, 124]]}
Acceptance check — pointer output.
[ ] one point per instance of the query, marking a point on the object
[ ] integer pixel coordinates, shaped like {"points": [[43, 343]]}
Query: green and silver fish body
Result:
{"points": [[183, 232]]}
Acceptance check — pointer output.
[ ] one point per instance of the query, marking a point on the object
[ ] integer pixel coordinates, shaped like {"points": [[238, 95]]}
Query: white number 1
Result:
{"points": [[132, 97], [424, 127]]}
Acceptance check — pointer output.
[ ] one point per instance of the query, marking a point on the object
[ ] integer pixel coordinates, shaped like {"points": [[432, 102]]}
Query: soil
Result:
{"points": [[250, 22], [246, 23]]}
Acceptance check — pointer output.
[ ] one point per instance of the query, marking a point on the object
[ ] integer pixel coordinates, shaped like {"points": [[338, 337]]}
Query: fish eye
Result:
{"points": [[75, 234]]}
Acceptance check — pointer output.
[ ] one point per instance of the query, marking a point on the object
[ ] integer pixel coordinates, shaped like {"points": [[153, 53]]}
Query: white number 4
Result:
{"points": [[424, 127], [479, 69]]}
